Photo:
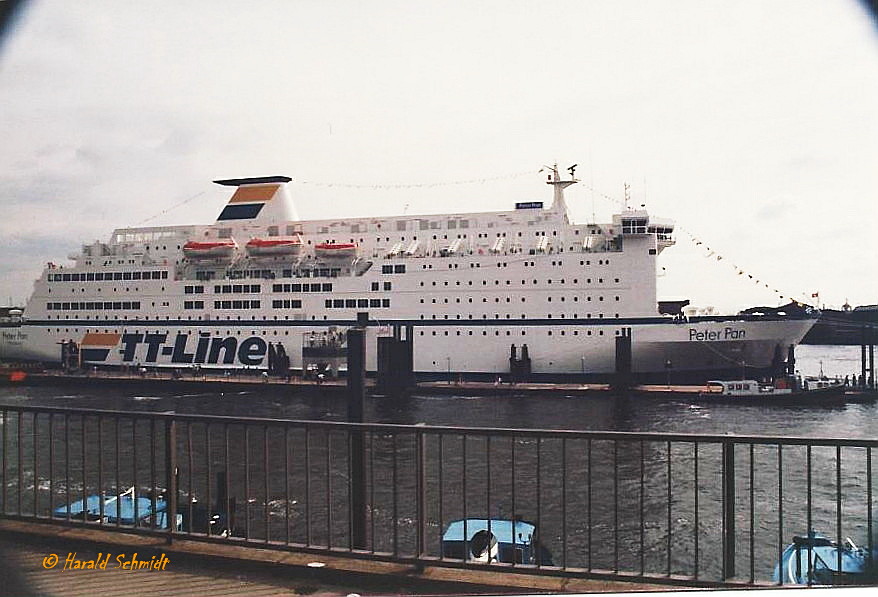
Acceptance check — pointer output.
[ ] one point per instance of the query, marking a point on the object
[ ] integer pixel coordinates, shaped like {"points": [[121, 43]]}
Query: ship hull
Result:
{"points": [[685, 351]]}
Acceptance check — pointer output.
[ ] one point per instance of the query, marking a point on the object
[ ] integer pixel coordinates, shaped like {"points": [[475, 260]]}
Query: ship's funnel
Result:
{"points": [[263, 199]]}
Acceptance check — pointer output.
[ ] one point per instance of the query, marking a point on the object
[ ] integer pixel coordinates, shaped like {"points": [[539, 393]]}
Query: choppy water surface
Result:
{"points": [[543, 412], [598, 503]]}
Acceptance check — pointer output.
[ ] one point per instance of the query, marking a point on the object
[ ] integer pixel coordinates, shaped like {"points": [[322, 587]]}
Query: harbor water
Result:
{"points": [[623, 505], [586, 413]]}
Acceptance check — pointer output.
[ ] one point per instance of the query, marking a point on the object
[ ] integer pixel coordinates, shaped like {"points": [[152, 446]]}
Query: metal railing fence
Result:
{"points": [[679, 508]]}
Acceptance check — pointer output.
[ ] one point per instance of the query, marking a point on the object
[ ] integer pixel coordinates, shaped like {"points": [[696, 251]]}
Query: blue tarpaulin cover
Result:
{"points": [[502, 529]]}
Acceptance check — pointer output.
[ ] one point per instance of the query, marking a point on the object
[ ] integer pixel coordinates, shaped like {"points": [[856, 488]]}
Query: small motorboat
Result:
{"points": [[124, 508], [130, 509], [783, 389], [219, 249], [814, 559], [484, 541]]}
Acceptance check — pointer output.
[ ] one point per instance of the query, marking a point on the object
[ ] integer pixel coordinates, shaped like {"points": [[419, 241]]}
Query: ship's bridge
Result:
{"points": [[637, 221]]}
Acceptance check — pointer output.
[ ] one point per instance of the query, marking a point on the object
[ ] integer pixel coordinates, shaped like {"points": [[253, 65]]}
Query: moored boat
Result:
{"points": [[816, 560], [494, 540], [125, 508], [132, 509], [783, 388]]}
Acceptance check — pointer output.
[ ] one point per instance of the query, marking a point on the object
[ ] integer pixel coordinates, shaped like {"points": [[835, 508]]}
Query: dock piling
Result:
{"points": [[395, 361], [872, 338], [623, 360]]}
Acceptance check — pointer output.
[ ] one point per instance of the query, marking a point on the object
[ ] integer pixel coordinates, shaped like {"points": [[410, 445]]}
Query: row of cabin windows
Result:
{"points": [[387, 285], [435, 225], [415, 224], [356, 303], [524, 282], [193, 289], [115, 289], [584, 262], [244, 304], [464, 236], [286, 304], [321, 272], [393, 269], [216, 333], [237, 289], [267, 274], [509, 333], [301, 288], [93, 306], [102, 276], [510, 316], [509, 300], [311, 273], [193, 304]]}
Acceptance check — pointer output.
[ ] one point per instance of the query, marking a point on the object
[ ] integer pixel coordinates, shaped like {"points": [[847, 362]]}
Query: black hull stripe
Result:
{"points": [[413, 322]]}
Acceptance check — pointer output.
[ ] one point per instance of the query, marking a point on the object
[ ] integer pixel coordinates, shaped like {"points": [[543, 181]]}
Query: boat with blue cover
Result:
{"points": [[817, 560], [124, 508], [494, 540], [130, 509]]}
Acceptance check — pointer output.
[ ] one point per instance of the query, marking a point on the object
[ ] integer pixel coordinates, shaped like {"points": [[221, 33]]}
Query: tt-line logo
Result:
{"points": [[210, 350]]}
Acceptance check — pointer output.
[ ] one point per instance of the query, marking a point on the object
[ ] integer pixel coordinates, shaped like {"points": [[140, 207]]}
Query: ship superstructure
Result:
{"points": [[472, 284]]}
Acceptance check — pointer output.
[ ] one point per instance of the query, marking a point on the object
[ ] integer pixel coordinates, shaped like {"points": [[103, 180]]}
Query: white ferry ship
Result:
{"points": [[259, 280]]}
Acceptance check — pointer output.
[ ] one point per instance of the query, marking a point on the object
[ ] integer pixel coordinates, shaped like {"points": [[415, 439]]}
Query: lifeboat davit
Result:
{"points": [[219, 249], [276, 245], [336, 250]]}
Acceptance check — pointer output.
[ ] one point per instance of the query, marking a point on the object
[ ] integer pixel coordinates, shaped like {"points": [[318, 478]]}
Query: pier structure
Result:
{"points": [[657, 508], [868, 339]]}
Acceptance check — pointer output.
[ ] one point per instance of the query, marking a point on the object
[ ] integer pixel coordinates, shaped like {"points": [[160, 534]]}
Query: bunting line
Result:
{"points": [[712, 254], [420, 185]]}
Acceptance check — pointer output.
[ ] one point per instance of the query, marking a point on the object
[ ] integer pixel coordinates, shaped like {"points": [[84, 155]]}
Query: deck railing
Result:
{"points": [[676, 508]]}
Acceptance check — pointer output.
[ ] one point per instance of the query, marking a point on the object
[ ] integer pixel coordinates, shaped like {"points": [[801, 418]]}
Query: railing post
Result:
{"points": [[728, 472], [422, 495], [356, 341], [171, 472]]}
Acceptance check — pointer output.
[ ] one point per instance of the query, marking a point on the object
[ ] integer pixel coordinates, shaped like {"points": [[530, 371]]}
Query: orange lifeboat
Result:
{"points": [[220, 249], [276, 245], [336, 250]]}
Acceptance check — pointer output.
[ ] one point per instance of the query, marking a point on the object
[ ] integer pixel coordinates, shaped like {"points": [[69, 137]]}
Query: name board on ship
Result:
{"points": [[709, 335]]}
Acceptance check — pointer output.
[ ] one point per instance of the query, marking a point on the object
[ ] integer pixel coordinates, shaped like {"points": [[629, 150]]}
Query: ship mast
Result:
{"points": [[559, 205]]}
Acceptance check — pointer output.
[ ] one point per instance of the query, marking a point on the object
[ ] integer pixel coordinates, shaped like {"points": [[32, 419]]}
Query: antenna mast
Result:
{"points": [[559, 205]]}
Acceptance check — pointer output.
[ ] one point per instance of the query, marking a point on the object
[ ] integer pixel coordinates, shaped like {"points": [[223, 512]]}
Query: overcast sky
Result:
{"points": [[753, 124]]}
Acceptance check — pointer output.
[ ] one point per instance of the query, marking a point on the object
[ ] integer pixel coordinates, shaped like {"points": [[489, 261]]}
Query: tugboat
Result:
{"points": [[814, 560], [480, 540]]}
